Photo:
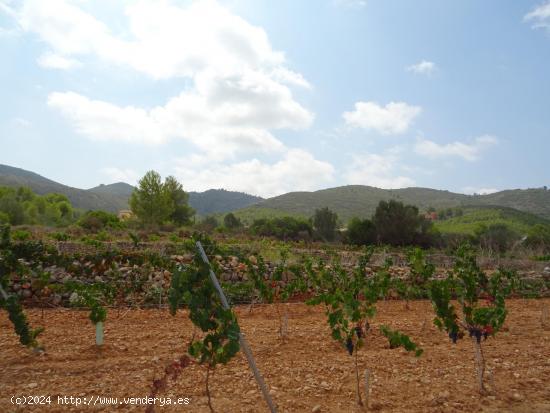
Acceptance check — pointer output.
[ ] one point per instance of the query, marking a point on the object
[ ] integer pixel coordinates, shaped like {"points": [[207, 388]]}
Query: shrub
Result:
{"points": [[399, 224], [97, 220], [496, 237], [282, 228], [361, 232], [21, 235], [230, 221], [324, 222]]}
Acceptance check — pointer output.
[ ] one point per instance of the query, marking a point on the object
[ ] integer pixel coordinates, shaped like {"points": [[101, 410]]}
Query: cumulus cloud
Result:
{"points": [[392, 119], [422, 68], [378, 170], [466, 151], [221, 116], [539, 17], [298, 170], [241, 87], [162, 39]]}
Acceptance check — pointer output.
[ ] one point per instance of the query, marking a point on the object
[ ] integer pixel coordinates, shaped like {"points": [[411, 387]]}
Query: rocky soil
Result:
{"points": [[307, 373]]}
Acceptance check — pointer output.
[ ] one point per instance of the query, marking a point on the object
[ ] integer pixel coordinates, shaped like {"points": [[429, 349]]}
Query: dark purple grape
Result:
{"points": [[349, 346], [453, 335], [359, 332]]}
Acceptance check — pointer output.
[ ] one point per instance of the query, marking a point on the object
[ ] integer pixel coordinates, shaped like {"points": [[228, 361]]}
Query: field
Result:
{"points": [[309, 372]]}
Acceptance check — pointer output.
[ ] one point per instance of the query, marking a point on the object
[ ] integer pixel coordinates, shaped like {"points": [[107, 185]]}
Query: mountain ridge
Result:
{"points": [[348, 201], [114, 197]]}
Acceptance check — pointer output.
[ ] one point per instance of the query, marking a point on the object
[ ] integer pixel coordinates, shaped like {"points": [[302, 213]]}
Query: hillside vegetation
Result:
{"points": [[347, 201], [220, 201], [474, 216], [361, 201], [115, 197], [79, 198]]}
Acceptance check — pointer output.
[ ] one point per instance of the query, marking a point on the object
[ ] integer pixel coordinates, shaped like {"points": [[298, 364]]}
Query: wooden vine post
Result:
{"points": [[242, 341]]}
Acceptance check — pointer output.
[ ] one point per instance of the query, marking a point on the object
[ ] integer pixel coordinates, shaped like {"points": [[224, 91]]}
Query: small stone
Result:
{"points": [[517, 397], [32, 385], [316, 409], [73, 297]]}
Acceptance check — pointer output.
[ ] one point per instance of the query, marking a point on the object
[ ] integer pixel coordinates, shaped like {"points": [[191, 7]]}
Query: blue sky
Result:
{"points": [[270, 97]]}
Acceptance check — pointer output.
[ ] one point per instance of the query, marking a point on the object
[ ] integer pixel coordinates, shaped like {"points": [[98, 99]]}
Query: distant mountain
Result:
{"points": [[80, 198], [361, 201], [114, 197], [219, 201], [204, 203], [347, 201], [121, 189]]}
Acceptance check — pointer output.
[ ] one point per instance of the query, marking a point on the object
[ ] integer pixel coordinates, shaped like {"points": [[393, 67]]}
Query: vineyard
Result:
{"points": [[291, 329]]}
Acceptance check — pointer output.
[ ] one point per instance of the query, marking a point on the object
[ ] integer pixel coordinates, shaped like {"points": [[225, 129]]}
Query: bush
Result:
{"points": [[208, 224], [20, 235], [324, 222], [98, 220], [399, 224], [230, 221], [496, 237], [361, 232], [282, 228], [539, 237], [59, 236]]}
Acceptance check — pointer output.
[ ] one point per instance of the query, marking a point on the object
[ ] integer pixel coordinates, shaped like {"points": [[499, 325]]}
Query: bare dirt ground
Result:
{"points": [[308, 373]]}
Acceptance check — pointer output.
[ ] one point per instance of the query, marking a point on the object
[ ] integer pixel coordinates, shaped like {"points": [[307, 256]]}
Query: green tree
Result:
{"points": [[399, 224], [361, 232], [150, 202], [231, 221], [209, 223], [13, 209], [539, 236], [283, 228], [497, 237], [324, 222], [182, 213]]}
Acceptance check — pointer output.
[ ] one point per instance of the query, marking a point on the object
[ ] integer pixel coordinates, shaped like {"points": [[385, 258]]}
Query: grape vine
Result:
{"points": [[191, 287], [481, 299]]}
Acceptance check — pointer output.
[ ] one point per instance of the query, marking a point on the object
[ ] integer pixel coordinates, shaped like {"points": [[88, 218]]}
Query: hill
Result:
{"points": [[215, 201], [204, 203], [80, 198], [121, 189], [347, 201], [474, 216], [361, 201], [114, 197]]}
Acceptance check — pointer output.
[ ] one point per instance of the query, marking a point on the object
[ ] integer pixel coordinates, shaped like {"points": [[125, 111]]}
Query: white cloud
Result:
{"points": [[480, 191], [539, 16], [161, 39], [469, 152], [240, 85], [422, 68], [221, 116], [392, 119], [52, 61], [377, 170], [127, 175], [298, 170]]}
